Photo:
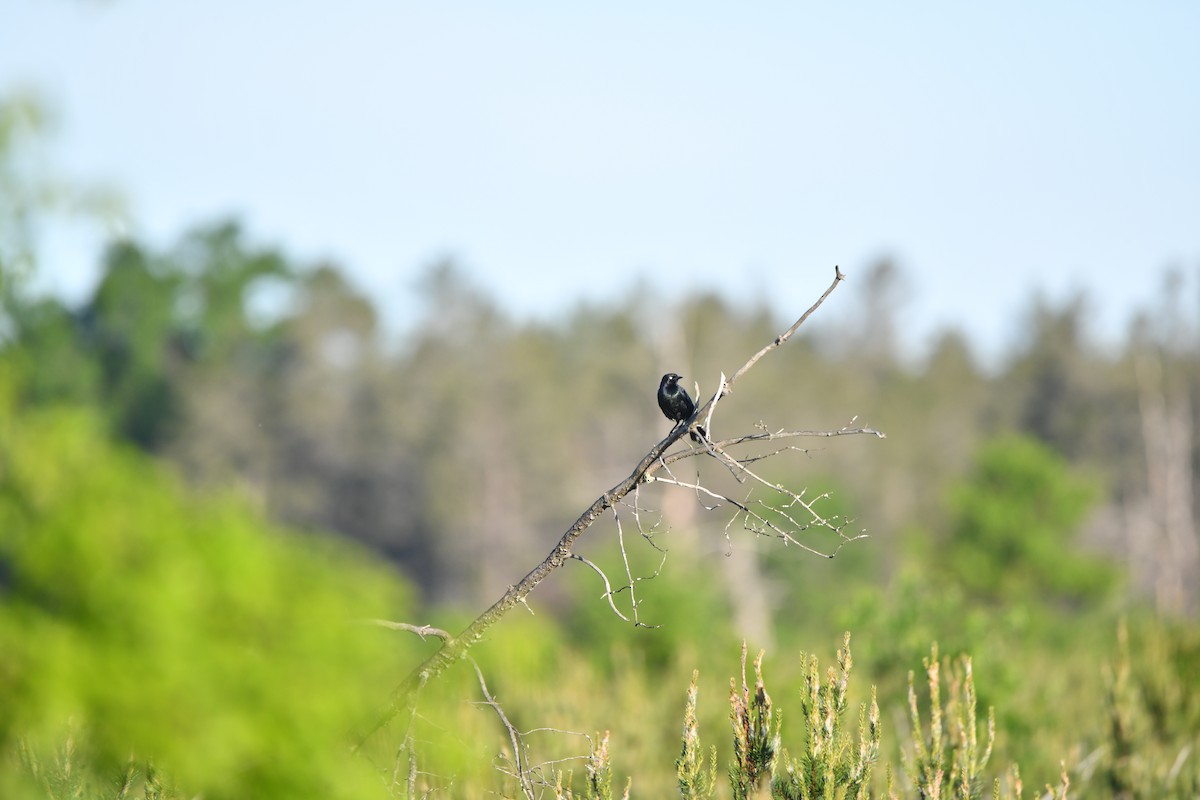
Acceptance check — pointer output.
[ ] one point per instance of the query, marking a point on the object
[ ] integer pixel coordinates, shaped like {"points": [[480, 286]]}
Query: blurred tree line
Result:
{"points": [[445, 451]]}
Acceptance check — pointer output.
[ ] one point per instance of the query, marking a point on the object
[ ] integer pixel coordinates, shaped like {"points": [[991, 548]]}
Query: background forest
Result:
{"points": [[220, 466]]}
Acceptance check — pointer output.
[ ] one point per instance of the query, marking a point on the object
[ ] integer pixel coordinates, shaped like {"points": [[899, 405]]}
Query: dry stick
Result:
{"points": [[520, 757], [608, 590], [632, 585], [760, 525], [419, 630], [455, 648]]}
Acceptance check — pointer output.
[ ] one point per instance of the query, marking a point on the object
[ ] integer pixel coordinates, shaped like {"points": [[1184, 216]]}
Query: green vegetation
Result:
{"points": [[1011, 526], [145, 625]]}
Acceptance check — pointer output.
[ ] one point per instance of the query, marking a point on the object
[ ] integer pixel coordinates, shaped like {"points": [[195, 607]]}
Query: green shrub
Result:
{"points": [[1013, 522], [831, 762], [155, 626]]}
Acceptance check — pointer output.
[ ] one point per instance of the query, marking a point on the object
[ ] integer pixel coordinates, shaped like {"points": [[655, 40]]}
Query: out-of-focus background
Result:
{"points": [[314, 314]]}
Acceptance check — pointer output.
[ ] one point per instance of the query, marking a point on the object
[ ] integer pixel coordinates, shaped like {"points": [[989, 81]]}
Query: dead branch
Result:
{"points": [[419, 630], [455, 648], [727, 387]]}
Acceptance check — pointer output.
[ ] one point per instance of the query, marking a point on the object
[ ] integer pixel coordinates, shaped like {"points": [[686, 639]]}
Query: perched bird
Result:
{"points": [[676, 403]]}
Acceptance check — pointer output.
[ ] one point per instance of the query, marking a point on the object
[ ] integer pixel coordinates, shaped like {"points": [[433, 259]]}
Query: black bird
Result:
{"points": [[676, 403]]}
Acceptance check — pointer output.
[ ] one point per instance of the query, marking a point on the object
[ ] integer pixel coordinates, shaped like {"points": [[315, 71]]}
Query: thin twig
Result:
{"points": [[783, 337], [608, 590], [712, 406], [419, 630], [759, 524], [633, 601], [647, 534], [520, 756]]}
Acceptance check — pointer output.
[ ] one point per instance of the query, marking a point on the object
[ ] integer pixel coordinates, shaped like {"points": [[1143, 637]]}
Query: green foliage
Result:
{"points": [[52, 364], [831, 764], [154, 317], [695, 781], [953, 736], [130, 327], [1008, 585], [599, 773], [175, 629], [1146, 751], [1153, 732], [67, 774], [755, 738], [155, 322], [1013, 520], [598, 785]]}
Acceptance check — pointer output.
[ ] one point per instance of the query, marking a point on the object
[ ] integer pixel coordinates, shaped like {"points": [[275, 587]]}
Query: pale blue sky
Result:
{"points": [[563, 150]]}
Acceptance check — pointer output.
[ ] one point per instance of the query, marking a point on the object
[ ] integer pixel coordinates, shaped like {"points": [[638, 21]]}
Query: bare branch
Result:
{"points": [[759, 524], [520, 754], [646, 533], [784, 434], [610, 593], [419, 630], [632, 585], [783, 337], [712, 407], [455, 648]]}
